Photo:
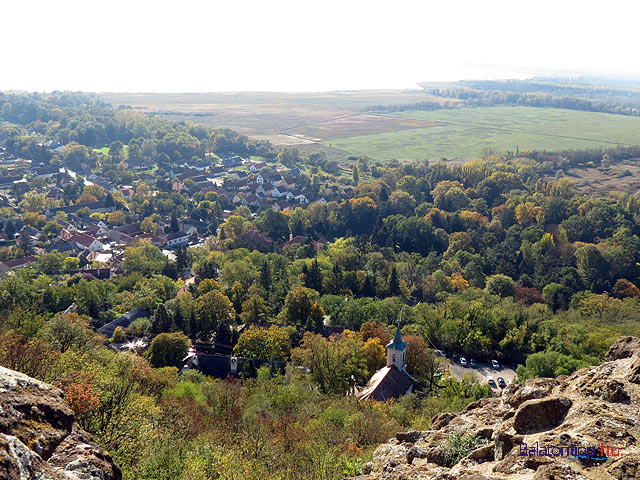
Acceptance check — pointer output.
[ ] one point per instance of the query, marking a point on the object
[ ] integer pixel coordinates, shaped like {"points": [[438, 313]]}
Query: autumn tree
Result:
{"points": [[263, 343], [374, 355], [369, 330], [449, 196], [527, 213]]}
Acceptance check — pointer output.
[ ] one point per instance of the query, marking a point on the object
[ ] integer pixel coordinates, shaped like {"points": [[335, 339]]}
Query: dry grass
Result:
{"points": [[622, 177], [283, 118]]}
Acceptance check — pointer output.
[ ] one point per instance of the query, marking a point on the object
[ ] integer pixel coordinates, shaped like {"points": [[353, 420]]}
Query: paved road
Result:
{"points": [[482, 370]]}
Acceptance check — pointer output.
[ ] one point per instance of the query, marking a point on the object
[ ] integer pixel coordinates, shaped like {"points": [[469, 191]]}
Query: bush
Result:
{"points": [[459, 446], [118, 335]]}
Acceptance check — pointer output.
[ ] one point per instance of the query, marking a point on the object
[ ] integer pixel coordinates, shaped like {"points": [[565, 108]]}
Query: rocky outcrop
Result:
{"points": [[594, 407], [38, 436]]}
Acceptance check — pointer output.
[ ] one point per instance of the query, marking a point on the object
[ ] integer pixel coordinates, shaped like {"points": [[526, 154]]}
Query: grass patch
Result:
{"points": [[468, 132], [105, 150]]}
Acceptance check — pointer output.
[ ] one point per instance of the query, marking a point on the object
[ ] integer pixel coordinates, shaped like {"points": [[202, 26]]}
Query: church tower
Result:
{"points": [[396, 350]]}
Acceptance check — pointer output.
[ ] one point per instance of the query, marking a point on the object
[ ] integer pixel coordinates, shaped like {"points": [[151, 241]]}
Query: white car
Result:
{"points": [[495, 364], [463, 361], [490, 380]]}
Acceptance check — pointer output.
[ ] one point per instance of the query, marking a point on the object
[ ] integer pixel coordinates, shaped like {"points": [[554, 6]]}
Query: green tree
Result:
{"points": [[174, 226], [10, 229], [274, 224], [224, 334], [556, 296], [265, 276], [210, 309], [51, 263], [501, 285], [161, 320], [337, 364], [298, 305], [263, 343], [168, 350], [592, 266], [254, 309], [393, 284], [65, 332], [145, 259], [51, 229]]}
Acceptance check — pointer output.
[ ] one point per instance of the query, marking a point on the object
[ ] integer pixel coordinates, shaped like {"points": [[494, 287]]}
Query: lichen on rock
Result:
{"points": [[39, 438]]}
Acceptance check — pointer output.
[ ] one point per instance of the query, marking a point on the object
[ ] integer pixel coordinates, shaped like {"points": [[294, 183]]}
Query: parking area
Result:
{"points": [[482, 371]]}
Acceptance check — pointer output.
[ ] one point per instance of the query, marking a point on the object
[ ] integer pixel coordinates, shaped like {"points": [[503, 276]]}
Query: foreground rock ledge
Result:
{"points": [[39, 438], [593, 406]]}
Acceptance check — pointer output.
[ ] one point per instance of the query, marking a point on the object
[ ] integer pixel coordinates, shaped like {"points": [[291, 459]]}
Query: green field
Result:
{"points": [[468, 132], [105, 150]]}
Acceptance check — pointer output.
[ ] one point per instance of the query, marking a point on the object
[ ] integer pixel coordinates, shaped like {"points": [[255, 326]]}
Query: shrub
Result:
{"points": [[459, 446]]}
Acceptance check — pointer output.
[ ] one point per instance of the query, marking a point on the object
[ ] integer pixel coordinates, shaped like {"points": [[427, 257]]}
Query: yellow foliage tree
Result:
{"points": [[527, 213]]}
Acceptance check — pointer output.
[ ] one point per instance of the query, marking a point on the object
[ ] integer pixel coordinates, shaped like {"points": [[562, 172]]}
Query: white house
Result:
{"points": [[238, 175], [189, 229], [68, 226], [176, 239], [302, 199], [257, 166], [86, 242]]}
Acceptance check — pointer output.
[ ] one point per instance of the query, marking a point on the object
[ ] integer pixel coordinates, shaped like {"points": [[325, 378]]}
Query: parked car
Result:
{"points": [[490, 380], [472, 363], [463, 361], [441, 353], [501, 382], [495, 364]]}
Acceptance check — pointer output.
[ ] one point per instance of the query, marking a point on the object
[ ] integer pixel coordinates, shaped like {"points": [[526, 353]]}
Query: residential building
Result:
{"points": [[177, 239]]}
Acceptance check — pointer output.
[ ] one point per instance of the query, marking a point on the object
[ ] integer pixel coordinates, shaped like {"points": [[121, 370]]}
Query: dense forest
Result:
{"points": [[497, 258]]}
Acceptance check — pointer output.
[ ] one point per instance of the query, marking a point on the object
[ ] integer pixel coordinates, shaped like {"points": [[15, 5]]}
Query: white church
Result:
{"points": [[391, 381]]}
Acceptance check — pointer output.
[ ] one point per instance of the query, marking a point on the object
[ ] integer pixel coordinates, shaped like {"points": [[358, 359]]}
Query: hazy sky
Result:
{"points": [[233, 45]]}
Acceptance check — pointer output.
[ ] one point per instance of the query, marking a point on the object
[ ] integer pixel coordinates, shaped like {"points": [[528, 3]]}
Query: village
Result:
{"points": [[87, 234]]}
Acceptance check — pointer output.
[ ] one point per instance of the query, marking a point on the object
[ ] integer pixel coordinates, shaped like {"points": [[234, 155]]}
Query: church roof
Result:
{"points": [[386, 383], [397, 343]]}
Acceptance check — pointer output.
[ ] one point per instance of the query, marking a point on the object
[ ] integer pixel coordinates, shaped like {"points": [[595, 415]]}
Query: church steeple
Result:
{"points": [[396, 350]]}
